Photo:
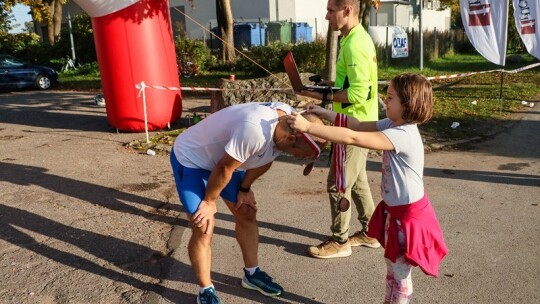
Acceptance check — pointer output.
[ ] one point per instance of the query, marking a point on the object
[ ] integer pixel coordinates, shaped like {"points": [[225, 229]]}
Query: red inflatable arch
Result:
{"points": [[134, 43]]}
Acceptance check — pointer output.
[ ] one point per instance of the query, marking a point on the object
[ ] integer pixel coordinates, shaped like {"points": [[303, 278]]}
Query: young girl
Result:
{"points": [[404, 222]]}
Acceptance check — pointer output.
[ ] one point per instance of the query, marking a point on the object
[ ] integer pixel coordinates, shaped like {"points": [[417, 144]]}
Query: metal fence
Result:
{"points": [[435, 44]]}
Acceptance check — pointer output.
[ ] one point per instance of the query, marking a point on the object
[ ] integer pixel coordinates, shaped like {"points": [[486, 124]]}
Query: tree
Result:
{"points": [[44, 11], [331, 55], [5, 18], [85, 47], [455, 14], [225, 24], [365, 7]]}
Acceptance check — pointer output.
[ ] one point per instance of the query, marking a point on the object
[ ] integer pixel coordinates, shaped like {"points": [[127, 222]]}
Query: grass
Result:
{"points": [[80, 82], [454, 97]]}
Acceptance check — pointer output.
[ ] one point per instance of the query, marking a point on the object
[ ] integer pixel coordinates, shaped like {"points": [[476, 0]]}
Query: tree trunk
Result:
{"points": [[363, 13], [57, 19], [50, 24], [331, 55], [54, 21], [225, 25]]}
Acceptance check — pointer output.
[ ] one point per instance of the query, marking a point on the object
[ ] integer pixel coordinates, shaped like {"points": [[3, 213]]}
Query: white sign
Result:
{"points": [[400, 46]]}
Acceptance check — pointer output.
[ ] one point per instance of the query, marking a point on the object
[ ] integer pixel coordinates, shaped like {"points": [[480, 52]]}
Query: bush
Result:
{"points": [[310, 57], [86, 69], [27, 46], [193, 50], [270, 57], [18, 44]]}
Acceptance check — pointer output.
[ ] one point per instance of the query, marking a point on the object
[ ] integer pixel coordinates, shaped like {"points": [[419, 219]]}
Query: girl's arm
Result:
{"points": [[353, 123], [374, 140]]}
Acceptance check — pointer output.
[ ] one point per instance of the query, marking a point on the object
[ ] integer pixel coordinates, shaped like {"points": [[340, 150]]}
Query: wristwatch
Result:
{"points": [[325, 99], [242, 189]]}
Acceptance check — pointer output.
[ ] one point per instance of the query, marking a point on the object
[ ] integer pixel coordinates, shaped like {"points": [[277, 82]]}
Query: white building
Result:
{"points": [[405, 14], [204, 13], [402, 13], [397, 16], [390, 13]]}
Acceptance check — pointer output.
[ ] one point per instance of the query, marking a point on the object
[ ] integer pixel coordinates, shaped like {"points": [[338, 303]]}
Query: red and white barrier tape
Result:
{"points": [[142, 91], [142, 85], [461, 75]]}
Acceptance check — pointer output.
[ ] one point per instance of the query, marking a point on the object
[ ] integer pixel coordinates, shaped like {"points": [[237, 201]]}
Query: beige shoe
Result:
{"points": [[360, 238], [330, 249]]}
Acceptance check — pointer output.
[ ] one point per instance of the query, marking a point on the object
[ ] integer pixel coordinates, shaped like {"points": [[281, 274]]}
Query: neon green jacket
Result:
{"points": [[356, 71]]}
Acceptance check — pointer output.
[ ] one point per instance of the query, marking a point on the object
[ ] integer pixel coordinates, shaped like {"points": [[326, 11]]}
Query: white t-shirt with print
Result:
{"points": [[244, 131], [402, 168]]}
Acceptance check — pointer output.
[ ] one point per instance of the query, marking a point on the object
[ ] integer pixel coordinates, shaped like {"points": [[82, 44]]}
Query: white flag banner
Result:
{"points": [[486, 25], [526, 14]]}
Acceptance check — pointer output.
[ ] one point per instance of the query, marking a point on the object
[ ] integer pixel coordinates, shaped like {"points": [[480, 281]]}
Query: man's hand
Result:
{"points": [[312, 94], [205, 215], [247, 198], [327, 83], [298, 122]]}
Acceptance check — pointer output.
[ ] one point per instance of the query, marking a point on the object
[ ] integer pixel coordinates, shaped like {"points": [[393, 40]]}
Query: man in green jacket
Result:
{"points": [[356, 75]]}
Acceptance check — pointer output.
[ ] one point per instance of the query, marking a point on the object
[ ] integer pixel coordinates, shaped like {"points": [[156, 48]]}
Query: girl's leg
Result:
{"points": [[399, 286], [389, 281]]}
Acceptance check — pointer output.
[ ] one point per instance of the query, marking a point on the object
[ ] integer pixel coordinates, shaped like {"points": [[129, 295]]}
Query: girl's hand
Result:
{"points": [[298, 122], [315, 109], [321, 112]]}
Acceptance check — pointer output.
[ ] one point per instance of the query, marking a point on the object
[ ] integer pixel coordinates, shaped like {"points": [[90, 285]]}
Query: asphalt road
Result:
{"points": [[84, 219]]}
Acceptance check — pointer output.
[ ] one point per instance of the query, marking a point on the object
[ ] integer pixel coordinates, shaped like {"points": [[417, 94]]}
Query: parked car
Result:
{"points": [[16, 74]]}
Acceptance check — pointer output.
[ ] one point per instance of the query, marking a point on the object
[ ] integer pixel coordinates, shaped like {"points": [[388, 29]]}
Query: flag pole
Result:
{"points": [[421, 32], [501, 92]]}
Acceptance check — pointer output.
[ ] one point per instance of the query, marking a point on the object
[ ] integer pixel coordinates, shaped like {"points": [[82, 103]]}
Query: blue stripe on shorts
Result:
{"points": [[191, 185]]}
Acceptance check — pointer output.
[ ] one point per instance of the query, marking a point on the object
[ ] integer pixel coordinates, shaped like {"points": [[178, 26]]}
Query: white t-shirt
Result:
{"points": [[402, 168], [244, 131]]}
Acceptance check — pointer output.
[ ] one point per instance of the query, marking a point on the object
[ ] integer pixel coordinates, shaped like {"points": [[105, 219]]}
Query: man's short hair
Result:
{"points": [[354, 3]]}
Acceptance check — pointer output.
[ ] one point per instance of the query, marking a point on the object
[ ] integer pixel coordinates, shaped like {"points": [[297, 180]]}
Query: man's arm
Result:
{"points": [[352, 122], [251, 176], [358, 75], [358, 64], [371, 140], [219, 178], [354, 69], [340, 96]]}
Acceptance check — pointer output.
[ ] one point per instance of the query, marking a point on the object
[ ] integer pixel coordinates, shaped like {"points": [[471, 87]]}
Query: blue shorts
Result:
{"points": [[191, 185]]}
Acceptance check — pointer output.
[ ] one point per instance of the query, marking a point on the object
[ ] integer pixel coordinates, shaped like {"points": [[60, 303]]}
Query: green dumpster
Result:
{"points": [[279, 31]]}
